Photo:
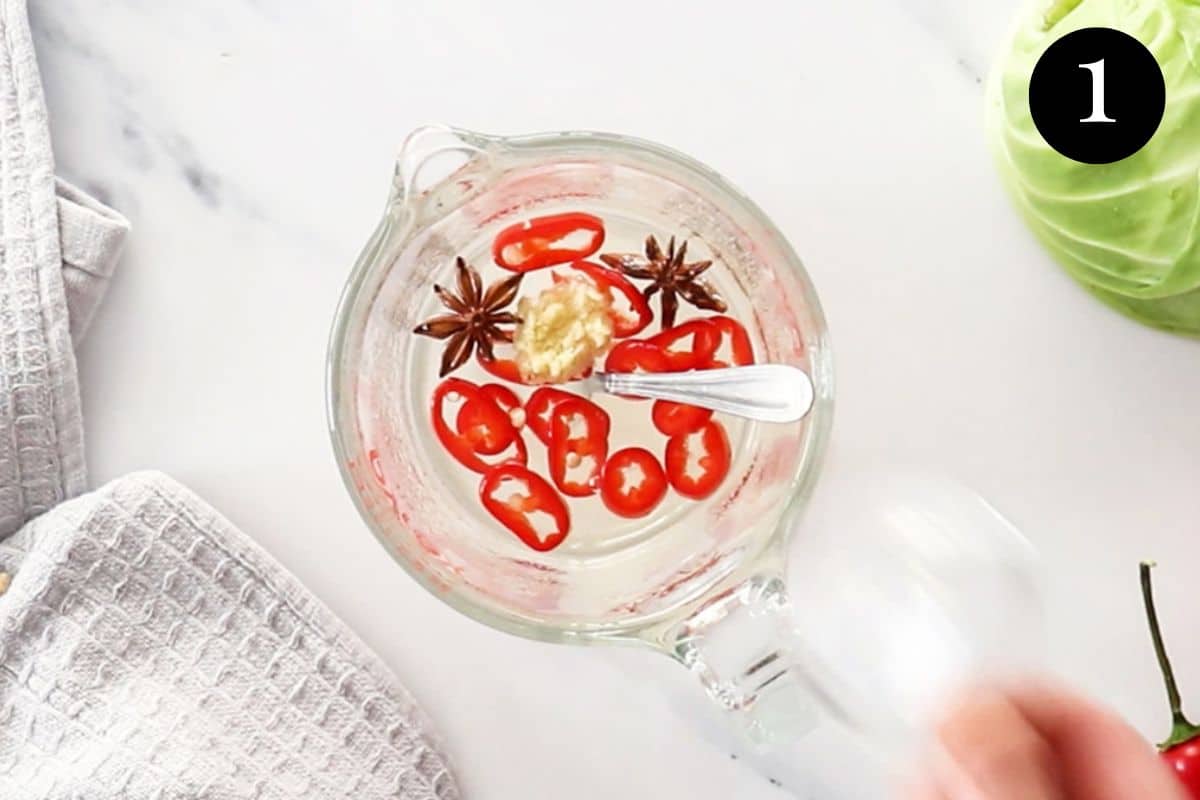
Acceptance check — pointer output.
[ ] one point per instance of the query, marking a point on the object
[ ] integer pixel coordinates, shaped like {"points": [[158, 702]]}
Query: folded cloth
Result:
{"points": [[91, 236], [41, 429], [148, 650]]}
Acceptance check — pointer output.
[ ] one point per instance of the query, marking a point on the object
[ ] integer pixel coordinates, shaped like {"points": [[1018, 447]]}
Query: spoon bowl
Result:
{"points": [[763, 392]]}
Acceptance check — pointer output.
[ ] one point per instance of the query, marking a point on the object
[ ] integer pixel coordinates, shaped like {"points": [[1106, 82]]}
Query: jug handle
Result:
{"points": [[923, 589], [742, 647]]}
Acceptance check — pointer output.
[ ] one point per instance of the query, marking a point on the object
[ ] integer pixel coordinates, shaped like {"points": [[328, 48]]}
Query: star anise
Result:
{"points": [[670, 274], [475, 318]]}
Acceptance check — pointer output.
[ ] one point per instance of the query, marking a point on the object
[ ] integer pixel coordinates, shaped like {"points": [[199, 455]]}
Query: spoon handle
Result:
{"points": [[763, 392]]}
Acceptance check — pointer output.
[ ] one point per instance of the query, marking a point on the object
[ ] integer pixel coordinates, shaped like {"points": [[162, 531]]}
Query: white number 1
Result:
{"points": [[1097, 70]]}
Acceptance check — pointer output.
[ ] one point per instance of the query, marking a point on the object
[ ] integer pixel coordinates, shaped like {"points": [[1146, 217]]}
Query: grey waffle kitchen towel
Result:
{"points": [[41, 430], [91, 236], [148, 649]]}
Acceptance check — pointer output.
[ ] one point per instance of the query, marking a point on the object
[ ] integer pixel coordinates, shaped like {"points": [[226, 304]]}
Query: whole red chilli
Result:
{"points": [[1181, 750]]}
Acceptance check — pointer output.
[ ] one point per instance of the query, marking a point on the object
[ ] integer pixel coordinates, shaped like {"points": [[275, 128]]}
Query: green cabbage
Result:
{"points": [[1129, 231]]}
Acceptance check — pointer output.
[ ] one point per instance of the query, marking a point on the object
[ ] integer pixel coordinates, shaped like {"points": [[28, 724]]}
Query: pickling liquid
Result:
{"points": [[595, 530]]}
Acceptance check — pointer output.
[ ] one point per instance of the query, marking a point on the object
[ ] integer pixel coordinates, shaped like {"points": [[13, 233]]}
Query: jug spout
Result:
{"points": [[430, 157]]}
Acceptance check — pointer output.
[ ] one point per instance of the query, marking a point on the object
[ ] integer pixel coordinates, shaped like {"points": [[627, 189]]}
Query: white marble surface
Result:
{"points": [[250, 142]]}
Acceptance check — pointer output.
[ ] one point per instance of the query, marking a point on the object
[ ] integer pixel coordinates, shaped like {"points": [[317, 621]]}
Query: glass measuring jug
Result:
{"points": [[707, 586]]}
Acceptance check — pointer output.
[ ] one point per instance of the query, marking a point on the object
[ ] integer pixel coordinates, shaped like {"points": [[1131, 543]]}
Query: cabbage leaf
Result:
{"points": [[1128, 231]]}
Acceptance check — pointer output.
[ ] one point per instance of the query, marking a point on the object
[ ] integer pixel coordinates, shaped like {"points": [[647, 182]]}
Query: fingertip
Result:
{"points": [[990, 750], [1090, 749]]}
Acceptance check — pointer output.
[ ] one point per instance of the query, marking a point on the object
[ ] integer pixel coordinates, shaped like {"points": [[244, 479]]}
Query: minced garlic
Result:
{"points": [[562, 331]]}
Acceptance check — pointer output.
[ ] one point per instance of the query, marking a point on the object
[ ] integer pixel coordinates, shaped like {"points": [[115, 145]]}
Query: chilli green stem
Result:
{"points": [[1182, 729]]}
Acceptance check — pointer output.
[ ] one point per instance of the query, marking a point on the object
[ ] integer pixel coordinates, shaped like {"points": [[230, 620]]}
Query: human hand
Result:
{"points": [[1036, 743]]}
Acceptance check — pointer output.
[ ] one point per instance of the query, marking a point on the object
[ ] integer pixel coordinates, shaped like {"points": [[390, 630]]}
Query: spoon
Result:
{"points": [[763, 392]]}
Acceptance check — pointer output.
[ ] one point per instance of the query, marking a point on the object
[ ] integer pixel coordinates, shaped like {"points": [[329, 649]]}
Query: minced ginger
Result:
{"points": [[562, 331]]}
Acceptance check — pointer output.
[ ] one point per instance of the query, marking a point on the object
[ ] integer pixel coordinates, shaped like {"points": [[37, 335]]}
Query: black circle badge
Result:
{"points": [[1097, 95]]}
